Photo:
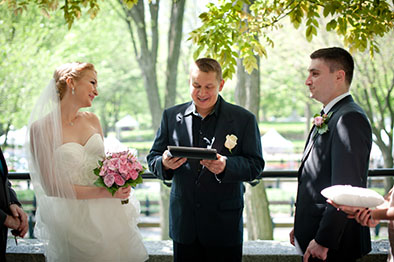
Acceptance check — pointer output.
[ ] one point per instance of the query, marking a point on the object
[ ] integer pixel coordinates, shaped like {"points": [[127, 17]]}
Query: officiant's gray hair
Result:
{"points": [[337, 59], [72, 70], [209, 65]]}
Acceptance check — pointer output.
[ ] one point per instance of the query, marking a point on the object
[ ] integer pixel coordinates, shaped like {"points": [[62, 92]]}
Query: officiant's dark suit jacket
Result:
{"points": [[7, 196], [340, 156], [200, 206]]}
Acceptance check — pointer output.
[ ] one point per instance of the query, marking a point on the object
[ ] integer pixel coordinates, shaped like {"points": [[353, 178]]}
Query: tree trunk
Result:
{"points": [[147, 60], [240, 89], [258, 223], [253, 90], [174, 44], [388, 163], [164, 211], [146, 57]]}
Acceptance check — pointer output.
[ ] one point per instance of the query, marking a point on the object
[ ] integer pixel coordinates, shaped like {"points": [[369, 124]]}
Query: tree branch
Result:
{"points": [[154, 12], [130, 26]]}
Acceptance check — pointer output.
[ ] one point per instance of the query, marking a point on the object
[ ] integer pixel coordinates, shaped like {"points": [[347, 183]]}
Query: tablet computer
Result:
{"points": [[192, 152]]}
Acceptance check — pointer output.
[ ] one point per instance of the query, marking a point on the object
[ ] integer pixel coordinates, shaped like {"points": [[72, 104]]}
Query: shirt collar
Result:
{"points": [[193, 110], [328, 107]]}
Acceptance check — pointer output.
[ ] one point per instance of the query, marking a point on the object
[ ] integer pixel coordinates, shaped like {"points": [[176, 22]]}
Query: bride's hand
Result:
{"points": [[123, 192]]}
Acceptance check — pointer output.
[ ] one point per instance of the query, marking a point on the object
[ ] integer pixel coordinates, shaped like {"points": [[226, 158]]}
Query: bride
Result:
{"points": [[76, 220]]}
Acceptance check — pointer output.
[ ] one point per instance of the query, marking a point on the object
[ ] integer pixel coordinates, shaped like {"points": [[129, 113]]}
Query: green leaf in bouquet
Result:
{"points": [[112, 189], [139, 180], [100, 182], [96, 171], [134, 183]]}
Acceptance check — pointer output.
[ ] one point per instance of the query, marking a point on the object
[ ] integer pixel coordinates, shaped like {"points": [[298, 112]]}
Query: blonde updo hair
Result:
{"points": [[73, 70]]}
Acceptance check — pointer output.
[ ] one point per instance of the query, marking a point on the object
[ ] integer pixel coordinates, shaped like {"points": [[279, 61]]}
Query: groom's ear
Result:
{"points": [[341, 75]]}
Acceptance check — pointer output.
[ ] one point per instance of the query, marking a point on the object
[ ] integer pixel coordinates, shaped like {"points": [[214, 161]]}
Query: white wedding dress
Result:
{"points": [[99, 230]]}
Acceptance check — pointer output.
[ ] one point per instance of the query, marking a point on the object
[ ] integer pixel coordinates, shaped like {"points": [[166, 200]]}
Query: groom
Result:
{"points": [[11, 214], [338, 155], [206, 200]]}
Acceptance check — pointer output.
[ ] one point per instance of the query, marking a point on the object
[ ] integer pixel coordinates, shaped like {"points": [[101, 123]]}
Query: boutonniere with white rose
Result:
{"points": [[321, 122], [231, 142]]}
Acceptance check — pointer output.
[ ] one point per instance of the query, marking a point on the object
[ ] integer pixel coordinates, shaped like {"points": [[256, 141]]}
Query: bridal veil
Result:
{"points": [[53, 190]]}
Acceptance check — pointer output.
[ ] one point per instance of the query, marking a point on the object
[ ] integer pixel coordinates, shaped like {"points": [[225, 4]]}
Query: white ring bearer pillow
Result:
{"points": [[353, 196]]}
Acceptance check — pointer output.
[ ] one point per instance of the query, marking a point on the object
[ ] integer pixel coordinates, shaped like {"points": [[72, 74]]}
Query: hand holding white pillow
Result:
{"points": [[353, 196]]}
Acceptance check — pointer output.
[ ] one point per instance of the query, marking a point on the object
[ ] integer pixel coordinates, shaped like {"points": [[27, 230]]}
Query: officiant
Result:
{"points": [[206, 200], [336, 153]]}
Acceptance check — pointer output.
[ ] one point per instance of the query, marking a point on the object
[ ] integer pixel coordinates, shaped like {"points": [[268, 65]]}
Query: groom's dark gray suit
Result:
{"points": [[7, 196], [200, 206], [340, 156]]}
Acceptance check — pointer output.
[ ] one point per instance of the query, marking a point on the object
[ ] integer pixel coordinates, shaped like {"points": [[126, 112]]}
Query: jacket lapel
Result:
{"points": [[184, 127], [314, 133], [221, 131], [311, 140], [3, 170]]}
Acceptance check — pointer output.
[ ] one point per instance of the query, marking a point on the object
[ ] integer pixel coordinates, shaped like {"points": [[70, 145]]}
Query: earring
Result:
{"points": [[73, 91]]}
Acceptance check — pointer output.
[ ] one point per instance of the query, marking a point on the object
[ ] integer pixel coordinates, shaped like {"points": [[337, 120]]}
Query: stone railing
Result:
{"points": [[260, 250], [31, 250]]}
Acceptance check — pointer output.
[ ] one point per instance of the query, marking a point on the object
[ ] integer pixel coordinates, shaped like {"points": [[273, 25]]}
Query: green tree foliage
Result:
{"points": [[227, 27], [25, 42], [373, 89], [72, 9], [32, 46]]}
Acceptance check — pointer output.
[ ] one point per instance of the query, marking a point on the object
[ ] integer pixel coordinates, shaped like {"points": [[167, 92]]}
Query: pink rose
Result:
{"points": [[134, 174], [123, 170], [109, 180], [115, 155], [137, 166], [318, 121], [113, 164], [119, 180], [102, 172]]}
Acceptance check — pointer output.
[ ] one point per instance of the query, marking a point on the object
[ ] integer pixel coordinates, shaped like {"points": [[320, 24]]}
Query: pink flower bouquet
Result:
{"points": [[119, 170]]}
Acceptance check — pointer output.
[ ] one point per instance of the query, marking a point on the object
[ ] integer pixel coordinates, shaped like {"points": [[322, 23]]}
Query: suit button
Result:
{"points": [[198, 205], [197, 183]]}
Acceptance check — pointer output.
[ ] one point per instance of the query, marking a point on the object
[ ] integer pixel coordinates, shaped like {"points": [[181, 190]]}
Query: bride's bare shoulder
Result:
{"points": [[91, 118], [88, 116]]}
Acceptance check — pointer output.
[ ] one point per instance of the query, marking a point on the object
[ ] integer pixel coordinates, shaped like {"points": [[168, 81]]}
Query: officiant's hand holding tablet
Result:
{"points": [[192, 152], [171, 162], [175, 156]]}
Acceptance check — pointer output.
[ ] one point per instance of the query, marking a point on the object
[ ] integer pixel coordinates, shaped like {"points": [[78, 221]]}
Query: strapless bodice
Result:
{"points": [[78, 161]]}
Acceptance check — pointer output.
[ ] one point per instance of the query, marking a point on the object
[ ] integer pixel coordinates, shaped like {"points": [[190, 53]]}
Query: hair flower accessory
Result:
{"points": [[321, 122], [231, 142]]}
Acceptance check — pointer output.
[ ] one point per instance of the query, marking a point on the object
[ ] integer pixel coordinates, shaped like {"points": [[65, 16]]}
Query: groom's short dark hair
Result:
{"points": [[210, 65], [337, 59]]}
